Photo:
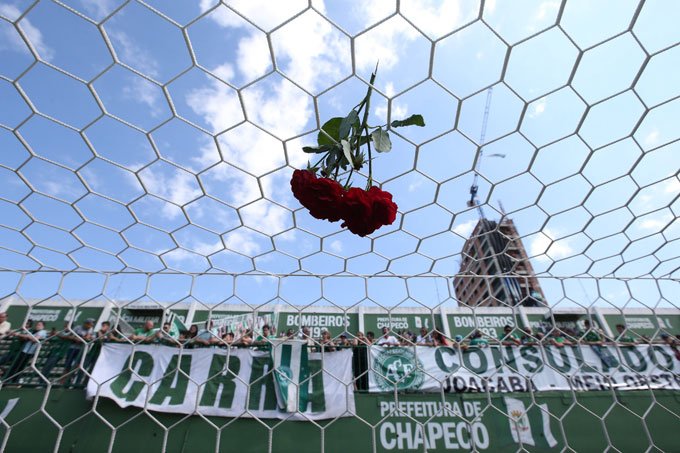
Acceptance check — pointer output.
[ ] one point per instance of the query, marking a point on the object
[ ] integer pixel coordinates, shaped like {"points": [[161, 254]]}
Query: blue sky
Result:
{"points": [[161, 136]]}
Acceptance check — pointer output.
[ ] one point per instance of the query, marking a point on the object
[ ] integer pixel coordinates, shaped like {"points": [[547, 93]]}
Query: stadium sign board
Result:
{"points": [[400, 322], [335, 322], [52, 316], [489, 324]]}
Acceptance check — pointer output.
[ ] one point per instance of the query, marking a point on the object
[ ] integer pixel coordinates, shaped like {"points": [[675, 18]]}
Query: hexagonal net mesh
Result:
{"points": [[146, 151]]}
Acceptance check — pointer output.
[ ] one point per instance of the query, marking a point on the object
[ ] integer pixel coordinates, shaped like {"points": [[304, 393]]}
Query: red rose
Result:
{"points": [[357, 210], [300, 182], [321, 196], [384, 209]]}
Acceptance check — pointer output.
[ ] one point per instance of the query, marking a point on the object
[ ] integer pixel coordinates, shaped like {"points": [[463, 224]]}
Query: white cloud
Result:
{"points": [[398, 110], [671, 186], [538, 107], [178, 187], [546, 8], [224, 71], [217, 103], [385, 42], [652, 138], [464, 229], [264, 152], [335, 246], [11, 40], [654, 224], [145, 92], [242, 241], [544, 247], [275, 216], [265, 13], [133, 55], [99, 9], [435, 17]]}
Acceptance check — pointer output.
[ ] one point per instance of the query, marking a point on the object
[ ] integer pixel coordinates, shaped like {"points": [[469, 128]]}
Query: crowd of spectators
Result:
{"points": [[73, 350]]}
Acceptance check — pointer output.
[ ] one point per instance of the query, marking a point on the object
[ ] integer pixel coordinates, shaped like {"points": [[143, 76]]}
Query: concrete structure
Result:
{"points": [[495, 269]]}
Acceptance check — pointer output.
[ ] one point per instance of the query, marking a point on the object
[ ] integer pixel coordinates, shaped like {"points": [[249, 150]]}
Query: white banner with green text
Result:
{"points": [[523, 368], [231, 382]]}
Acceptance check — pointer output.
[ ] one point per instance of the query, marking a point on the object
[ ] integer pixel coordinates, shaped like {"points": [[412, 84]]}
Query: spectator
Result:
{"points": [[307, 336], [228, 338], [60, 344], [478, 340], [31, 338], [459, 341], [266, 335], [246, 339], [105, 333], [386, 339], [164, 336], [290, 334], [558, 339], [509, 337], [5, 326], [326, 341], [205, 337], [671, 343], [145, 334], [623, 336], [80, 336], [593, 338], [370, 337], [527, 337], [440, 339], [361, 340], [360, 361], [344, 340], [193, 331], [424, 339]]}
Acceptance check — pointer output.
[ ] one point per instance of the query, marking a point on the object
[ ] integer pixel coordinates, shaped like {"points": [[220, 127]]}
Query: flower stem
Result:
{"points": [[364, 126]]}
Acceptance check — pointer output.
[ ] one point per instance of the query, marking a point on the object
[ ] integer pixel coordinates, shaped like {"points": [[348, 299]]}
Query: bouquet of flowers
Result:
{"points": [[341, 142]]}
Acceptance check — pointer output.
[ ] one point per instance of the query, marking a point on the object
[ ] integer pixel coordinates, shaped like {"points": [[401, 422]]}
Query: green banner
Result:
{"points": [[52, 316], [650, 326], [401, 322], [335, 323], [489, 324]]}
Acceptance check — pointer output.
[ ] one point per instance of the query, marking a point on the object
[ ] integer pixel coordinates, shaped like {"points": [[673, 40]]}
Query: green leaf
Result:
{"points": [[347, 150], [413, 120], [316, 149], [332, 132], [347, 122], [381, 140]]}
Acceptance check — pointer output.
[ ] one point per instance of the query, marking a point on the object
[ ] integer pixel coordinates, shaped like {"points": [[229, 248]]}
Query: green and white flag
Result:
{"points": [[530, 427], [291, 368]]}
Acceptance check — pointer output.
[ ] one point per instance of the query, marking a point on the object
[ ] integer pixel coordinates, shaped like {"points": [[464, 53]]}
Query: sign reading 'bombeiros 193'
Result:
{"points": [[225, 382], [522, 369]]}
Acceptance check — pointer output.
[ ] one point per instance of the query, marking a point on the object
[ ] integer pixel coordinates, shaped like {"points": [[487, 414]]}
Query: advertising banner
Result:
{"points": [[223, 382], [334, 323], [401, 322], [490, 325], [522, 369], [650, 326], [52, 316]]}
